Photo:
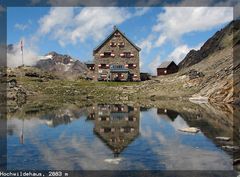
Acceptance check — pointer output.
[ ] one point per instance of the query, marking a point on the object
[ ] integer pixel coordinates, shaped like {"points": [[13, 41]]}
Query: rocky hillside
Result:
{"points": [[210, 74], [62, 65], [219, 41], [218, 61]]}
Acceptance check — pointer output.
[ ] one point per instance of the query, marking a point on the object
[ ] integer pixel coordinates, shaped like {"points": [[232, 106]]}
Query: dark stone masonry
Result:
{"points": [[116, 59]]}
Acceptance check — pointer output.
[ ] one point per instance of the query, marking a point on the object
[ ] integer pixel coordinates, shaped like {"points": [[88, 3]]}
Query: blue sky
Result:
{"points": [[163, 33]]}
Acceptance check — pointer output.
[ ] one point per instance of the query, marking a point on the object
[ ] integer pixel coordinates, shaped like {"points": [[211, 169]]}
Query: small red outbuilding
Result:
{"points": [[167, 67]]}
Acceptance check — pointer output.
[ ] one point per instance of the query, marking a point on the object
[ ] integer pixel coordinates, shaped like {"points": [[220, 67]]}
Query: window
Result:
{"points": [[121, 44], [103, 66], [113, 44], [91, 68], [107, 54], [127, 54], [131, 66], [117, 34]]}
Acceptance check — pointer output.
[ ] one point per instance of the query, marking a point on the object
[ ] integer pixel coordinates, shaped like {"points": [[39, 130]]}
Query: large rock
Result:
{"points": [[16, 92], [193, 74]]}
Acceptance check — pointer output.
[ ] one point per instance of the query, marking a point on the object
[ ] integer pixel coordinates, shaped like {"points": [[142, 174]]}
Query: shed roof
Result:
{"points": [[165, 64], [115, 30]]}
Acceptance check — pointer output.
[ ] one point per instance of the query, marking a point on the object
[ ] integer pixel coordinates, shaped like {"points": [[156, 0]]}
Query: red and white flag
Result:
{"points": [[21, 45]]}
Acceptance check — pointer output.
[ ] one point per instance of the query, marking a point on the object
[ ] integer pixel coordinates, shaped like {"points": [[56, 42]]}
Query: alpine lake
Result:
{"points": [[123, 136]]}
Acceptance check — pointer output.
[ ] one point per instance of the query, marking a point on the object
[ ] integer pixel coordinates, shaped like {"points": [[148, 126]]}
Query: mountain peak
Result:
{"points": [[62, 64]]}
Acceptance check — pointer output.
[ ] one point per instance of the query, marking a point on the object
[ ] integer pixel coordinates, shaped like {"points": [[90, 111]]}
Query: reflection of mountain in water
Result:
{"points": [[61, 116], [53, 120], [116, 125]]}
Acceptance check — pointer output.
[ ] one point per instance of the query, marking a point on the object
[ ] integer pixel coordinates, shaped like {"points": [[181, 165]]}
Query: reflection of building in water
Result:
{"points": [[167, 114], [91, 113], [143, 109], [116, 125]]}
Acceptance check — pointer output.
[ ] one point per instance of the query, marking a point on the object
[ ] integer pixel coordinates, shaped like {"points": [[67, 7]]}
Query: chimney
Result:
{"points": [[114, 27]]}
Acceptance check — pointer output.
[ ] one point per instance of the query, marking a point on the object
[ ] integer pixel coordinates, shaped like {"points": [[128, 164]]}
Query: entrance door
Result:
{"points": [[119, 78], [131, 76]]}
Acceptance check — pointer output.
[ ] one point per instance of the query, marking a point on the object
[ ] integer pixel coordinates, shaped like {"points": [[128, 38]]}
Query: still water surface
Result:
{"points": [[111, 137]]}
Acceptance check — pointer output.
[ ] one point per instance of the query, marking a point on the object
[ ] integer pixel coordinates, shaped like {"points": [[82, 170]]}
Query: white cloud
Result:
{"points": [[178, 54], [96, 21], [154, 64], [58, 17], [146, 44], [21, 27], [141, 63], [69, 25], [90, 22], [176, 21], [160, 40]]}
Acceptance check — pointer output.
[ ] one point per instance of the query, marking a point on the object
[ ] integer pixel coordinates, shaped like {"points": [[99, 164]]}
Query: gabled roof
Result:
{"points": [[115, 30], [165, 64]]}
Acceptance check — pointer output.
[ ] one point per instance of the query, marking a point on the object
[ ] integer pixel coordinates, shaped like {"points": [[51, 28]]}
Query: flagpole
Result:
{"points": [[22, 52], [22, 59]]}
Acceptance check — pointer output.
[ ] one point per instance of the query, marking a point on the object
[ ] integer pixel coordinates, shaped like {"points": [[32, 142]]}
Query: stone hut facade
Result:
{"points": [[167, 67], [116, 59]]}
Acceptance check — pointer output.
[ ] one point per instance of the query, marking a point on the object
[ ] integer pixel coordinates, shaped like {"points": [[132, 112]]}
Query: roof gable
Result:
{"points": [[166, 64], [114, 31]]}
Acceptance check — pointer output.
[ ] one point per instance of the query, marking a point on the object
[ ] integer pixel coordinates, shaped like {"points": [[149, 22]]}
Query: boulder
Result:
{"points": [[223, 138], [193, 74], [12, 83], [231, 148], [190, 130]]}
